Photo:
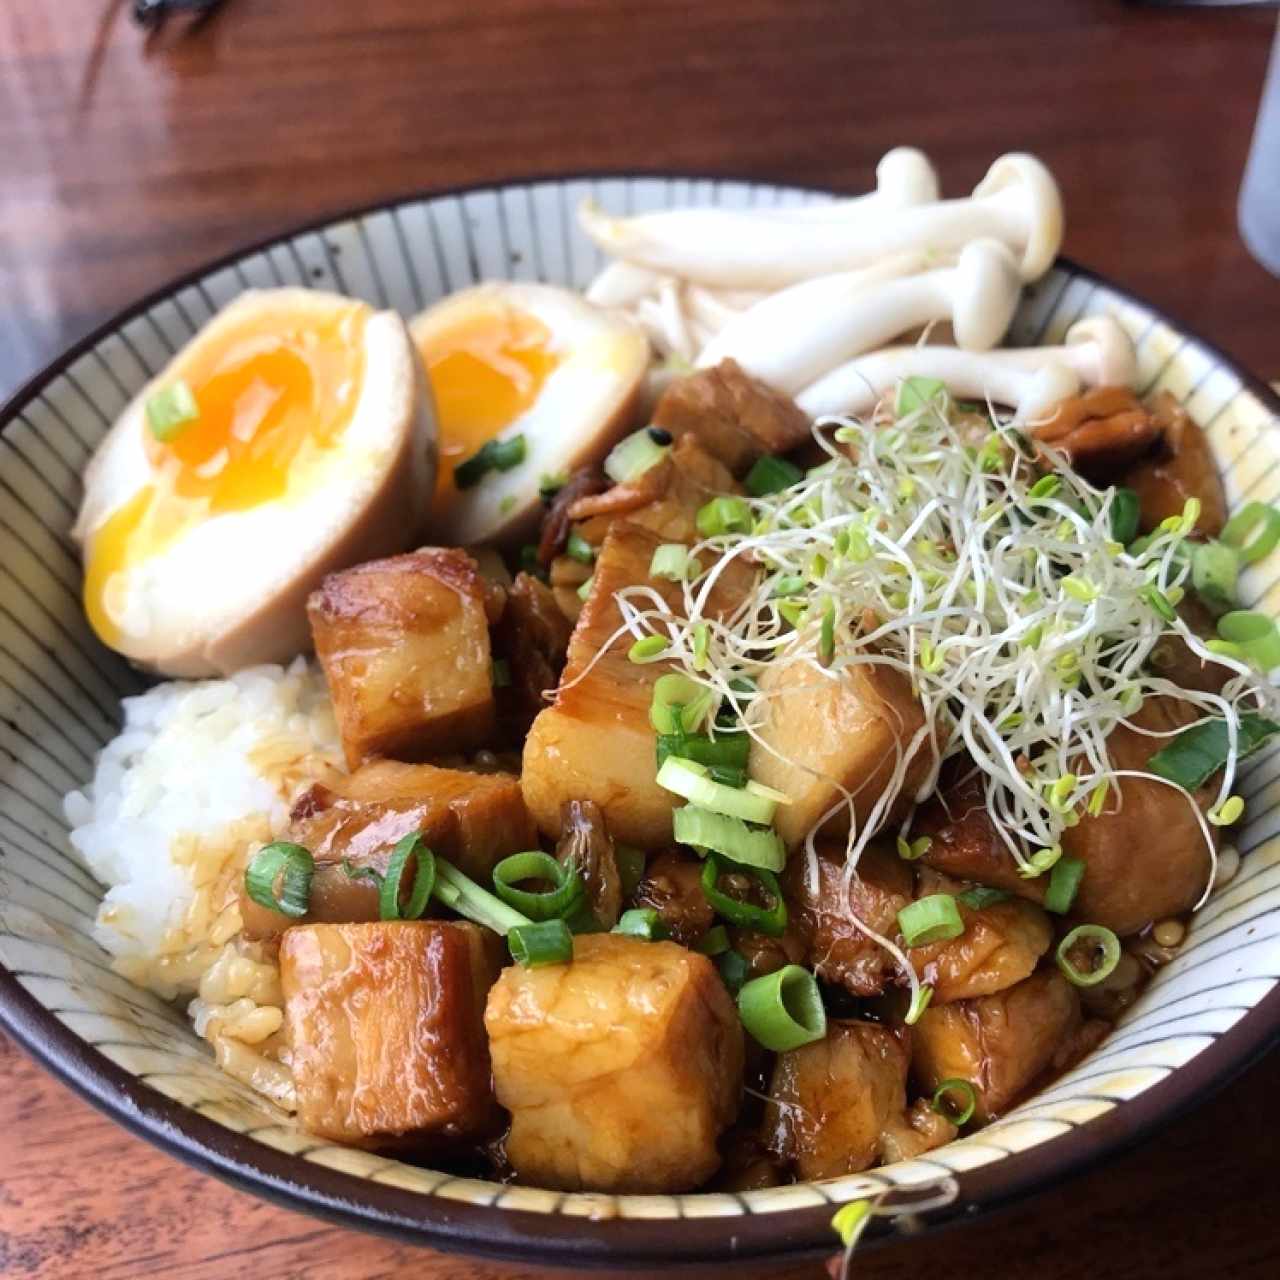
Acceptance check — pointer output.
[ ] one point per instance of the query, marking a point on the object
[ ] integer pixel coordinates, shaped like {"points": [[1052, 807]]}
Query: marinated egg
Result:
{"points": [[293, 435], [530, 381]]}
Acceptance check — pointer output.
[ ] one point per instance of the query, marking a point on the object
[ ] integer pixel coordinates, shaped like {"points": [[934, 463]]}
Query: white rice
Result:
{"points": [[203, 773]]}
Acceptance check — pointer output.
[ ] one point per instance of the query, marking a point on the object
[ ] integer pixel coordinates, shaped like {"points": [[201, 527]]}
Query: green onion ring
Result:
{"points": [[1100, 937], [542, 943], [783, 1010], [744, 914], [288, 863], [536, 865], [424, 879], [963, 1087]]}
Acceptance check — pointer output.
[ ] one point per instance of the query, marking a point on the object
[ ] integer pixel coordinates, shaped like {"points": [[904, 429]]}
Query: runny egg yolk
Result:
{"points": [[485, 371], [273, 395]]}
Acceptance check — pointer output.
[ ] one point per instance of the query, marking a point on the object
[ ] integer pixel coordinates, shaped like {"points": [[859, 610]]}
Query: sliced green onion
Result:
{"points": [[728, 751], [714, 942], [772, 475], [170, 410], [582, 919], [550, 484], [579, 549], [494, 455], [535, 945], [850, 1221], [783, 1010], [292, 866], [648, 649], [642, 922], [771, 920], [1255, 633], [919, 1003], [1254, 531], [1064, 884], [724, 515], [1106, 954], [935, 918], [632, 456], [1197, 753], [461, 894], [1215, 568], [536, 865], [679, 705], [671, 560], [692, 782], [979, 897], [734, 970], [630, 862], [585, 590], [915, 393], [963, 1114], [1125, 509], [424, 879], [501, 673], [703, 829]]}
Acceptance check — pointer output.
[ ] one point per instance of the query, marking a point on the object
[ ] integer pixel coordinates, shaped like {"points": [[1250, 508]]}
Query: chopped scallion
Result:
{"points": [[290, 865], [424, 879], [714, 942], [631, 457], [734, 970], [1105, 949], [692, 782], [723, 516], [1064, 884], [554, 904], [171, 410], [535, 945], [771, 920], [772, 475], [1197, 753], [671, 561], [493, 455], [1255, 634], [962, 1114], [1253, 531], [679, 705], [702, 829], [783, 1010], [579, 549], [935, 918], [980, 897], [642, 922]]}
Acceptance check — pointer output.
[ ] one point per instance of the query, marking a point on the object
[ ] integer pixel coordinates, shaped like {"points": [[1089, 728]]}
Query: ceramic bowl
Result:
{"points": [[1206, 1015]]}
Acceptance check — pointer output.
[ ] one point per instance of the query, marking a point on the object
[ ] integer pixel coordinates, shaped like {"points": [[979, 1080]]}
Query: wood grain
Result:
{"points": [[123, 162]]}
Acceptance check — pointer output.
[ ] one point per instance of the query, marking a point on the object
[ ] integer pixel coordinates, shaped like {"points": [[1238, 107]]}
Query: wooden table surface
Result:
{"points": [[123, 162]]}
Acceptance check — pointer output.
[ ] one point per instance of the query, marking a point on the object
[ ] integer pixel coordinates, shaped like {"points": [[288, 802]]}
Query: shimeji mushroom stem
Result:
{"points": [[1017, 203], [1097, 352], [794, 337]]}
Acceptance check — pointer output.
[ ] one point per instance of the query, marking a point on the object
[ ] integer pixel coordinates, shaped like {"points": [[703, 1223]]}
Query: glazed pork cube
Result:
{"points": [[734, 416], [838, 1105], [822, 730], [404, 643], [665, 499], [473, 819], [385, 1026], [595, 741], [1001, 1043], [620, 1070], [836, 948], [1001, 944]]}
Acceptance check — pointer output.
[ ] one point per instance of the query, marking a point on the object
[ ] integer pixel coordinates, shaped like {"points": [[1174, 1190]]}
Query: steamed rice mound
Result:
{"points": [[202, 774]]}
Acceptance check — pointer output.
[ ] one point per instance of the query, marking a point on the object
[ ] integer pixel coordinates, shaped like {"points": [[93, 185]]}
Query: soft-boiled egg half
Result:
{"points": [[530, 381], [293, 435]]}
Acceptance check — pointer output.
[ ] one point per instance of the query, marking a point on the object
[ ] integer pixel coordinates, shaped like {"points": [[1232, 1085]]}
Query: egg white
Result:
{"points": [[585, 405], [230, 592]]}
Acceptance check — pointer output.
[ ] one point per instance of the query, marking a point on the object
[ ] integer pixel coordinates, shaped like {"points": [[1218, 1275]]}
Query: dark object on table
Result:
{"points": [[151, 13]]}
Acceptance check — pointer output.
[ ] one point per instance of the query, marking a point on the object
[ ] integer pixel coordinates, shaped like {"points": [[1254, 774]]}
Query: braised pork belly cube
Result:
{"points": [[595, 741], [822, 914], [734, 416], [385, 1027], [1001, 944], [665, 499], [823, 732], [404, 643], [620, 1070], [1001, 1043], [1145, 854], [840, 1104], [353, 823]]}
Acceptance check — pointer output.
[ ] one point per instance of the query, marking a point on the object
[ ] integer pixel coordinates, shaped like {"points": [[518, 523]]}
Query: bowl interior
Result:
{"points": [[59, 702]]}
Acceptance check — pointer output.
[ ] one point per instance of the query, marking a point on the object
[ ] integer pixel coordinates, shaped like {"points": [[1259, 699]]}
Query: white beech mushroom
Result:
{"points": [[1097, 353], [1017, 202], [796, 336]]}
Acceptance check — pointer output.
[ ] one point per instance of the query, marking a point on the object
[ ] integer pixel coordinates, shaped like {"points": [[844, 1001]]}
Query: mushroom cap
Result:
{"points": [[1113, 362], [905, 177], [985, 290], [1042, 206]]}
